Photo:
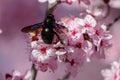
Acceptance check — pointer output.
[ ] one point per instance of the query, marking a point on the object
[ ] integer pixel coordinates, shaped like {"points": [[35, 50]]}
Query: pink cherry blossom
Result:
{"points": [[42, 52], [82, 39], [99, 10], [70, 1], [43, 55], [48, 64], [86, 33], [113, 73], [88, 49], [84, 1], [16, 75], [74, 61], [49, 1], [67, 1], [100, 39]]}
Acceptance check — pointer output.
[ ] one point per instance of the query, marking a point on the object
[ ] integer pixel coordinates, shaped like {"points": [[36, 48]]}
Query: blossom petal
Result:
{"points": [[90, 20]]}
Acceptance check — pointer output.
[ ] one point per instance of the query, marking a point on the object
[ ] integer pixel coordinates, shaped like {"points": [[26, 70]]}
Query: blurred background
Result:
{"points": [[14, 49]]}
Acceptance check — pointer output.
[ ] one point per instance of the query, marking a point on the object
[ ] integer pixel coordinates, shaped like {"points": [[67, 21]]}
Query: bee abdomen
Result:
{"points": [[47, 35]]}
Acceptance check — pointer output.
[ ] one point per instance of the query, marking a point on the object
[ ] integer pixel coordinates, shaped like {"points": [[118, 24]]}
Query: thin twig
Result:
{"points": [[114, 21], [108, 11], [33, 72], [51, 7], [66, 77]]}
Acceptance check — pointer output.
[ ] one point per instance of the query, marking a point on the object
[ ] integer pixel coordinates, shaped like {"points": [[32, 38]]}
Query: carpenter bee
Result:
{"points": [[48, 29]]}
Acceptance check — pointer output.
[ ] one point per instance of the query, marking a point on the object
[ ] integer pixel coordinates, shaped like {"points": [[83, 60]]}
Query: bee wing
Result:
{"points": [[32, 28], [60, 28]]}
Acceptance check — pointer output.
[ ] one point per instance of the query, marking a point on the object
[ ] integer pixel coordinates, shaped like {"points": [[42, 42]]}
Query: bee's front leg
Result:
{"points": [[61, 41]]}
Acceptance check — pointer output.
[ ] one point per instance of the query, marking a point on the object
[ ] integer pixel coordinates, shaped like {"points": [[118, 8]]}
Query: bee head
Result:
{"points": [[49, 19]]}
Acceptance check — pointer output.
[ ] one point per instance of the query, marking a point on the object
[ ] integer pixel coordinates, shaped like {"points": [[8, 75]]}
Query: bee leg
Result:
{"points": [[59, 38]]}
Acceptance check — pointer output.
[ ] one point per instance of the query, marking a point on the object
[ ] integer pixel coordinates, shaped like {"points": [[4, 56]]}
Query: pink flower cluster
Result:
{"points": [[84, 1], [67, 1], [113, 73], [82, 39], [16, 75]]}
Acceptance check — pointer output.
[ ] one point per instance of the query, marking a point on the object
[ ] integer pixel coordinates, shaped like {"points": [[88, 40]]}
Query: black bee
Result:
{"points": [[48, 29]]}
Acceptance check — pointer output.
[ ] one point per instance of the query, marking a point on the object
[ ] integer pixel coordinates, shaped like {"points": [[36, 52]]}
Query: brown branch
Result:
{"points": [[33, 72], [114, 21], [51, 7], [66, 77]]}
